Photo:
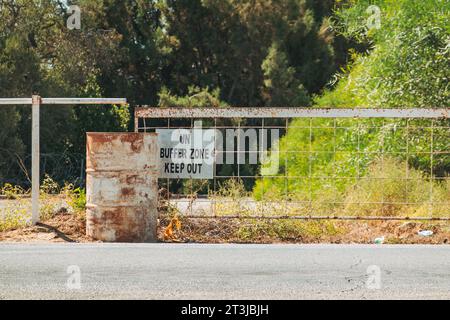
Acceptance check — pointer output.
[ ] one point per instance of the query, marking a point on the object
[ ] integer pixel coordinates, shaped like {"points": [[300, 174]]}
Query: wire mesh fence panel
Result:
{"points": [[296, 163]]}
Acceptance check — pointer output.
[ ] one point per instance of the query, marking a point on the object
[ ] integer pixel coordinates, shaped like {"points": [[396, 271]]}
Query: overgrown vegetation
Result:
{"points": [[246, 53], [16, 210], [407, 66], [286, 230], [173, 53], [385, 191]]}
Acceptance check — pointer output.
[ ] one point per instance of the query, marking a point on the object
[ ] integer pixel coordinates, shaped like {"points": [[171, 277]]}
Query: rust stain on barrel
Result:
{"points": [[122, 187], [134, 139], [128, 191]]}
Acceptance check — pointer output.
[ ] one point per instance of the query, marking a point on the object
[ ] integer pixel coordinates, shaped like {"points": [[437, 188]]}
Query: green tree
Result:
{"points": [[196, 98], [281, 88], [38, 54], [407, 66], [223, 43], [135, 48], [19, 70]]}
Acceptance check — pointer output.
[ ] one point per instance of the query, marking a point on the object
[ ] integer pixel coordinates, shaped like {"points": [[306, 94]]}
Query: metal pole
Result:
{"points": [[258, 113], [36, 101], [35, 172]]}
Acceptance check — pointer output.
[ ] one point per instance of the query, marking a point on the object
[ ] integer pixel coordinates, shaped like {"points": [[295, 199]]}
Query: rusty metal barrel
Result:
{"points": [[122, 187]]}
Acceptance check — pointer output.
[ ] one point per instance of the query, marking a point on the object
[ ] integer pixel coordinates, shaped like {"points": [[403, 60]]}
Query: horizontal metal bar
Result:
{"points": [[265, 112], [355, 130], [15, 101], [83, 101], [369, 218], [312, 177], [305, 152], [289, 203]]}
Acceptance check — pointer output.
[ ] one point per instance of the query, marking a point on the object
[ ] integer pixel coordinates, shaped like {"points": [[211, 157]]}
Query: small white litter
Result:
{"points": [[425, 233]]}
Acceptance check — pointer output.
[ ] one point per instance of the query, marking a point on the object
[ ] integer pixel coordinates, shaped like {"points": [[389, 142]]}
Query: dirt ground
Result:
{"points": [[230, 231], [64, 227]]}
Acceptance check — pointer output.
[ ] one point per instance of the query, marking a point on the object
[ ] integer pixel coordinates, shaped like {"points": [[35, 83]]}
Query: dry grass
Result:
{"points": [[67, 227], [16, 209], [384, 182], [61, 227], [259, 231], [385, 191], [61, 213], [64, 217]]}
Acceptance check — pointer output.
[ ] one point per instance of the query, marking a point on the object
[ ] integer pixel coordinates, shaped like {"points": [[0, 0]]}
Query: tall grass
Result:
{"points": [[392, 188], [16, 207]]}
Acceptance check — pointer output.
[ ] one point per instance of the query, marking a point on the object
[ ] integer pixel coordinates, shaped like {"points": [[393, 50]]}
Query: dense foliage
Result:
{"points": [[196, 53], [178, 53], [407, 66]]}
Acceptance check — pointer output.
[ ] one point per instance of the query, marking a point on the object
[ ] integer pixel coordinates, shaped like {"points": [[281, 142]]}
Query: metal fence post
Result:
{"points": [[35, 169], [36, 101]]}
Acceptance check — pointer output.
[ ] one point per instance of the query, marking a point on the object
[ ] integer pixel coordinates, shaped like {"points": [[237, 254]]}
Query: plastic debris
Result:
{"points": [[425, 233], [379, 240]]}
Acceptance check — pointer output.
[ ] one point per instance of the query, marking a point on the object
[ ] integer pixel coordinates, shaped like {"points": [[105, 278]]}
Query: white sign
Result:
{"points": [[186, 154]]}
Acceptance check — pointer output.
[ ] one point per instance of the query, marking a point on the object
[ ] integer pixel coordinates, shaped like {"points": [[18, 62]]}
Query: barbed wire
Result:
{"points": [[61, 167]]}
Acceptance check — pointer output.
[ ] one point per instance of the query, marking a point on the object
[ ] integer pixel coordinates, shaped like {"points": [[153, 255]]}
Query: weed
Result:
{"points": [[287, 230], [76, 199], [16, 210], [12, 192], [385, 191]]}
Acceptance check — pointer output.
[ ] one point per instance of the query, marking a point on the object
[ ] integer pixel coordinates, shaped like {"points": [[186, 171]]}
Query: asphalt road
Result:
{"points": [[163, 271]]}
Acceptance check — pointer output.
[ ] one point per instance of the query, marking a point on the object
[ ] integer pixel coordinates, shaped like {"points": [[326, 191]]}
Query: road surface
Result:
{"points": [[194, 271]]}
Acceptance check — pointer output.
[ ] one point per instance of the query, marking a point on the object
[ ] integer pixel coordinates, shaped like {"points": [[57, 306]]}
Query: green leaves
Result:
{"points": [[196, 98], [408, 66], [281, 88], [409, 63]]}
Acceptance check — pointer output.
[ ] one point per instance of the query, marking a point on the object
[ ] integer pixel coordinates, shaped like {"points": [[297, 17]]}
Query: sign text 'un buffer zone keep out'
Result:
{"points": [[186, 153]]}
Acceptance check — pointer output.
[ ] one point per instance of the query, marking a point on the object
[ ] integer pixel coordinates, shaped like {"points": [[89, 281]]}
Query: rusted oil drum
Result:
{"points": [[122, 186]]}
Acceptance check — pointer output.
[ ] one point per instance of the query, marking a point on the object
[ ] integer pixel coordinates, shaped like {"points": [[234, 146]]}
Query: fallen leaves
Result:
{"points": [[171, 229]]}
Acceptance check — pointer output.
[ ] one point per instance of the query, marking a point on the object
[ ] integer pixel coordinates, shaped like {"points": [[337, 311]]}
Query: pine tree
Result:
{"points": [[281, 88]]}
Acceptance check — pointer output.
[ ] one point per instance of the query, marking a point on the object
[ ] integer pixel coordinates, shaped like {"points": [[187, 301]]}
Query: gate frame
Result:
{"points": [[294, 112], [36, 101]]}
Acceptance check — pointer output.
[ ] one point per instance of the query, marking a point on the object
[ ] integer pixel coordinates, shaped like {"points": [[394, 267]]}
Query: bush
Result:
{"points": [[76, 199], [16, 212], [196, 98], [406, 67], [392, 188]]}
